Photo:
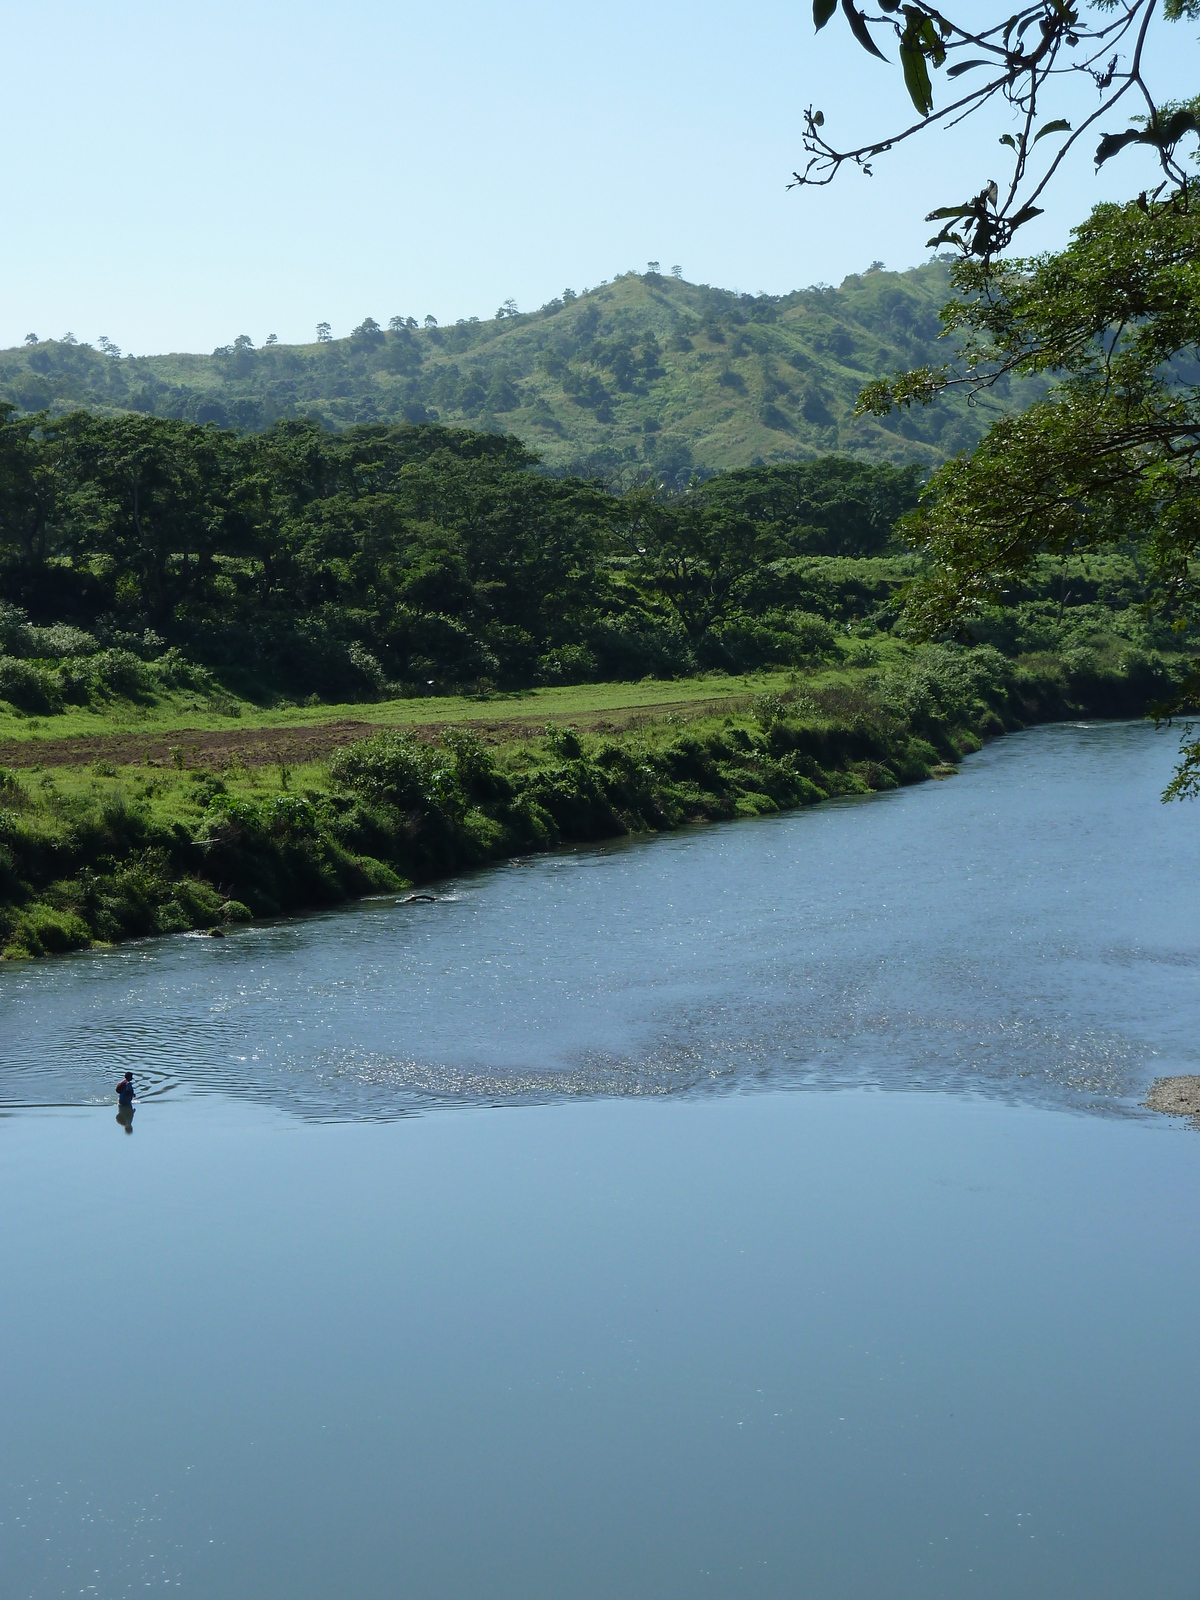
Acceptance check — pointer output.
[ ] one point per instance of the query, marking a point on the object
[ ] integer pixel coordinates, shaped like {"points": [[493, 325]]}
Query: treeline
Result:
{"points": [[391, 559]]}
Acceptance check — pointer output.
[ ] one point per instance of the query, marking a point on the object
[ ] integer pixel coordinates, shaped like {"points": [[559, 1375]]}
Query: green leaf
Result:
{"points": [[1113, 143], [948, 211], [1007, 138], [931, 41], [858, 27], [1061, 125], [1026, 214], [960, 67], [1163, 137], [1174, 128], [822, 11], [916, 77]]}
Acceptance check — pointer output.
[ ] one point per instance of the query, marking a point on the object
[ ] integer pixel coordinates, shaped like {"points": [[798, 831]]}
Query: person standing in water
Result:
{"points": [[125, 1102]]}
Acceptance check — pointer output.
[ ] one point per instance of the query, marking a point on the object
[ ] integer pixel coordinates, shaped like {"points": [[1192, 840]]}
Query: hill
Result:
{"points": [[646, 373]]}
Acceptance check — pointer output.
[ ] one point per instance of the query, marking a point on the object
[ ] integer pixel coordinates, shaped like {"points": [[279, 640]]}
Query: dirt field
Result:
{"points": [[259, 747]]}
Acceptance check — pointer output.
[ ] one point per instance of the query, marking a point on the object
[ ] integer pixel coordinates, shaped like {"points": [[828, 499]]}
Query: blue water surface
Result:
{"points": [[571, 1236]]}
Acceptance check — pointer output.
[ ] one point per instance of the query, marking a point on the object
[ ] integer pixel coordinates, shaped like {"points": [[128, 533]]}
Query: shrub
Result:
{"points": [[564, 742], [120, 672], [15, 632], [27, 687], [229, 820], [174, 671], [61, 640], [567, 663], [392, 767], [365, 666], [43, 930], [767, 709]]}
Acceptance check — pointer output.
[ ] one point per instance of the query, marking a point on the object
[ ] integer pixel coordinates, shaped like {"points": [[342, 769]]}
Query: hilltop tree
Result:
{"points": [[368, 332]]}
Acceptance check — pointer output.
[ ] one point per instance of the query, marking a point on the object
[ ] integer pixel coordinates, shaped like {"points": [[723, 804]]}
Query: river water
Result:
{"points": [[567, 1235]]}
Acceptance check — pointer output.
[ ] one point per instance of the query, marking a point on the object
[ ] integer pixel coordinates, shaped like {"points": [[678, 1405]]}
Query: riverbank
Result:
{"points": [[191, 835]]}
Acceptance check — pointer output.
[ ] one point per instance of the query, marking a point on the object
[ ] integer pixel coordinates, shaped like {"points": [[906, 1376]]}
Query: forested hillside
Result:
{"points": [[645, 374]]}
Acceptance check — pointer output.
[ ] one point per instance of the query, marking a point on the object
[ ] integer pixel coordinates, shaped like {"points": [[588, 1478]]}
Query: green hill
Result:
{"points": [[645, 373]]}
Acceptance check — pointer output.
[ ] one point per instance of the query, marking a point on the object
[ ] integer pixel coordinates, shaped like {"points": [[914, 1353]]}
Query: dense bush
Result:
{"points": [[27, 686]]}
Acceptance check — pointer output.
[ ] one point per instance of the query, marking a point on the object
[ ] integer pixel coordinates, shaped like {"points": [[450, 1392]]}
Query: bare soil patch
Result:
{"points": [[198, 747], [262, 747], [1177, 1097]]}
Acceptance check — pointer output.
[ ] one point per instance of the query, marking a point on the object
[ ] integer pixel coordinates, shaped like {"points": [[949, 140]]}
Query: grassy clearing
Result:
{"points": [[173, 718]]}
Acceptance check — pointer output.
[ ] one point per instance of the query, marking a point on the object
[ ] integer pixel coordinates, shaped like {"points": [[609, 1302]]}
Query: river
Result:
{"points": [[765, 1209]]}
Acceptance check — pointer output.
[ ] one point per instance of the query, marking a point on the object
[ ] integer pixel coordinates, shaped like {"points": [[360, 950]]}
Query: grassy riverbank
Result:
{"points": [[94, 849]]}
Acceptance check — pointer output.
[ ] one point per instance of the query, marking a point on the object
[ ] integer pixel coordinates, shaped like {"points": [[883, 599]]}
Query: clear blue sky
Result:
{"points": [[175, 176]]}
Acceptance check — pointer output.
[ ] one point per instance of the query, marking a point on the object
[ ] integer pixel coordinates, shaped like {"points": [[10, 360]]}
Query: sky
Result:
{"points": [[177, 175]]}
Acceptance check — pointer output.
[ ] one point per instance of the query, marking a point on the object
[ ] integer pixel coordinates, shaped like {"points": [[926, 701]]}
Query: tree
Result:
{"points": [[1023, 58], [692, 556], [1111, 454], [29, 483], [368, 332], [31, 338], [324, 334], [154, 497]]}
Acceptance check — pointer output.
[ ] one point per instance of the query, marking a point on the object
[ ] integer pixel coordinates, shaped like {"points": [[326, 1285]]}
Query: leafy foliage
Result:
{"points": [[1110, 455], [1022, 60]]}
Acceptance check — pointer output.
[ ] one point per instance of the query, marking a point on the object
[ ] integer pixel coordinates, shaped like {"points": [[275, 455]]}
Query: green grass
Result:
{"points": [[181, 712]]}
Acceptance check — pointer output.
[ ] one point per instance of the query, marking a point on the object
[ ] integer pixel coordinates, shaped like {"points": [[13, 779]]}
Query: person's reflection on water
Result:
{"points": [[125, 1102]]}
